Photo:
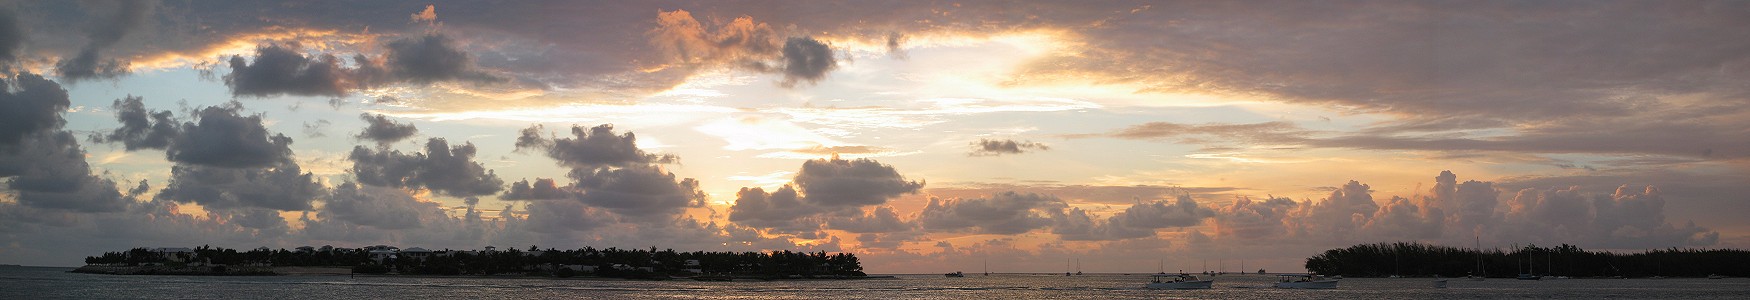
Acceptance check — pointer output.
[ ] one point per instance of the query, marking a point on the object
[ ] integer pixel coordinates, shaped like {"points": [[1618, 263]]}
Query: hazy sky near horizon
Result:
{"points": [[924, 136]]}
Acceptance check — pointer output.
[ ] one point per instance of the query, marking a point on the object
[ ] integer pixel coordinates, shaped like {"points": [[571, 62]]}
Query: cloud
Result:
{"points": [[141, 128], [29, 105], [385, 131], [883, 219], [806, 60], [444, 169], [1182, 212], [284, 187], [429, 15], [594, 147], [12, 38], [541, 189], [741, 43], [383, 208], [281, 70], [1003, 213], [1076, 224], [638, 191], [89, 63], [837, 183], [432, 58], [48, 170], [782, 210], [222, 137], [44, 162], [1247, 219], [558, 217], [990, 147]]}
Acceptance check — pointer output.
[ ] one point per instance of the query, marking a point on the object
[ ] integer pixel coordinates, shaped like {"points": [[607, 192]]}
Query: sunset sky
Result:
{"points": [[924, 136]]}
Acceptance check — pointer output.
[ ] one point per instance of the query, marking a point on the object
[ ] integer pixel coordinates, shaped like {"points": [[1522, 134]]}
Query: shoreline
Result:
{"points": [[347, 271]]}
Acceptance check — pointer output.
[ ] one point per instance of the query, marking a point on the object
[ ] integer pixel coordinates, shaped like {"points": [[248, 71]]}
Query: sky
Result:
{"points": [[923, 136]]}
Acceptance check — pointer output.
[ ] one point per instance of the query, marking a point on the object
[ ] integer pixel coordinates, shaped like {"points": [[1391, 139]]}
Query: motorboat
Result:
{"points": [[1716, 276], [955, 274], [1178, 282], [1306, 281]]}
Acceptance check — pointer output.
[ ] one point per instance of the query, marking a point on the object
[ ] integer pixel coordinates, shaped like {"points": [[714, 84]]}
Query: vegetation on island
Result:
{"points": [[1416, 259], [588, 261]]}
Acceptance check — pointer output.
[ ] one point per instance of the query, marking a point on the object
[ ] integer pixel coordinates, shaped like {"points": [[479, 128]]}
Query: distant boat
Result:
{"points": [[1439, 283], [1482, 271], [955, 274], [1716, 276], [1528, 273], [1307, 281], [1178, 282]]}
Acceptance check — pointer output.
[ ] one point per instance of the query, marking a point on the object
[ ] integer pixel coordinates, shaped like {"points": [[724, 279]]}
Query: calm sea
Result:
{"points": [[56, 283]]}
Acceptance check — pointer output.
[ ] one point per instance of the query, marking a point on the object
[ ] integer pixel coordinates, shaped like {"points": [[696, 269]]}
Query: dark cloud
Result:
{"points": [[1181, 212], [285, 187], [1003, 213], [593, 147], [141, 128], [782, 210], [385, 131], [11, 38], [1247, 219], [48, 170], [1076, 224], [104, 33], [42, 162], [637, 191], [221, 136], [541, 189], [432, 58], [444, 169], [806, 60], [990, 147], [882, 219], [1102, 194], [560, 217], [30, 104], [895, 45], [838, 183], [282, 70]]}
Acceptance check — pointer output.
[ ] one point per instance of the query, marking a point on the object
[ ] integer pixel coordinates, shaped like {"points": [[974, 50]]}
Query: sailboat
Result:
{"points": [[1482, 271], [1527, 275], [987, 267]]}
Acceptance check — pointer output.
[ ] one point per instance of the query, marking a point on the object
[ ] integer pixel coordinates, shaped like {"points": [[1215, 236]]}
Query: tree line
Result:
{"points": [[1416, 259], [610, 262]]}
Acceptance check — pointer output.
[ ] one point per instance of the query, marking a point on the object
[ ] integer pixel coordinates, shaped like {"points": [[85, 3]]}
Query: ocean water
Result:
{"points": [[56, 283]]}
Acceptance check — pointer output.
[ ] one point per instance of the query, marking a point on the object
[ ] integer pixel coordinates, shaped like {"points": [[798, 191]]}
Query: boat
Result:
{"points": [[955, 274], [1716, 276], [1528, 273], [1482, 271], [1305, 281], [1181, 281], [1439, 283]]}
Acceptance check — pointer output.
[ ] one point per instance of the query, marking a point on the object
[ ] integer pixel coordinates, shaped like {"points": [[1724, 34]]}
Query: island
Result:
{"points": [[1531, 261], [587, 262]]}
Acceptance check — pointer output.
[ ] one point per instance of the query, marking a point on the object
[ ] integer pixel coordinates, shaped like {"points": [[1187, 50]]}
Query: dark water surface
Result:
{"points": [[56, 283]]}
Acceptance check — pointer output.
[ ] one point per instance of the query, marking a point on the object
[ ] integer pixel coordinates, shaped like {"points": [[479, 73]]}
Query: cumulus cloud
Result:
{"points": [[106, 32], [641, 191], [836, 182], [141, 128], [44, 163], [990, 147], [1247, 219], [283, 70], [806, 60], [540, 189], [285, 187], [1182, 212], [1003, 213], [30, 104], [442, 168], [883, 219], [781, 210], [742, 43], [385, 131], [221, 136], [432, 58], [592, 147]]}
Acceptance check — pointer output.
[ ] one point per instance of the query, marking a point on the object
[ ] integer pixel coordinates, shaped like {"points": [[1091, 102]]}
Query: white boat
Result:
{"points": [[1308, 281], [1178, 282], [1716, 276]]}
